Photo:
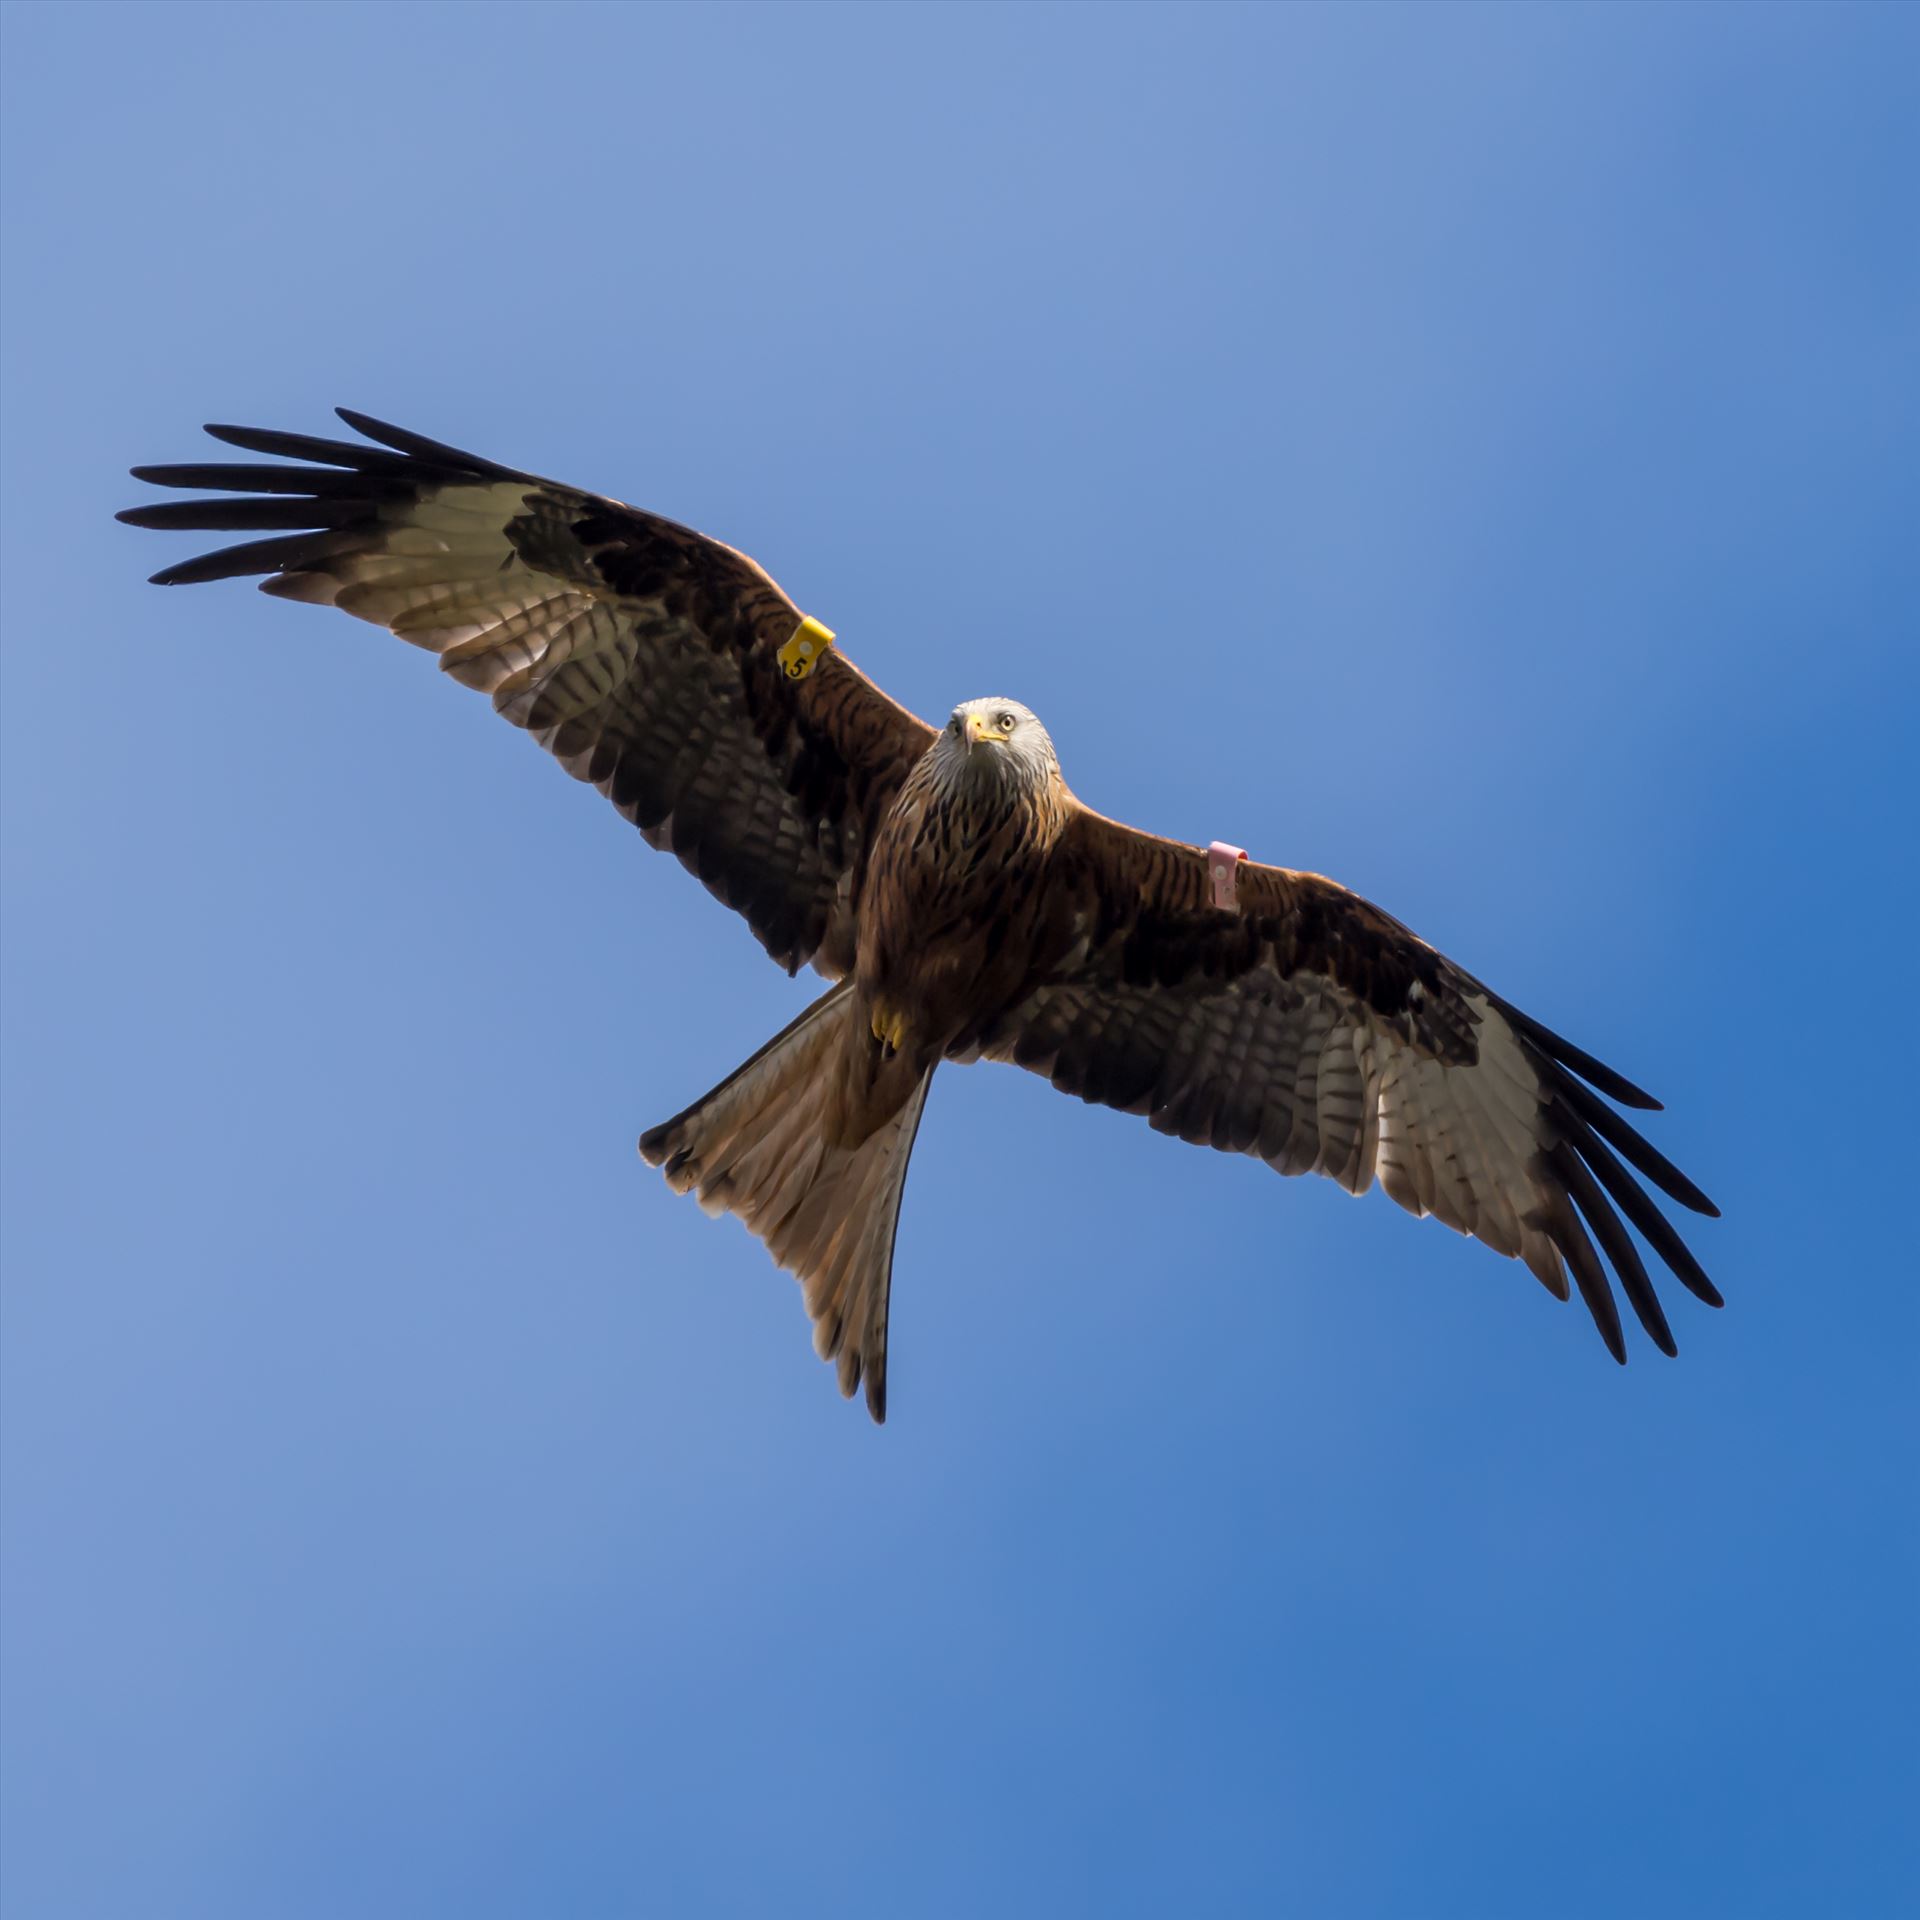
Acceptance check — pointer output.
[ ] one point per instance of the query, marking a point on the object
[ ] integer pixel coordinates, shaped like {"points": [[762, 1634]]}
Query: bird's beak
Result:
{"points": [[977, 730]]}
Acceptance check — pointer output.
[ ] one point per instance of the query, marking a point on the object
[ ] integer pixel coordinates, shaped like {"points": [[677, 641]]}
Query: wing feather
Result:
{"points": [[1314, 1031], [639, 653]]}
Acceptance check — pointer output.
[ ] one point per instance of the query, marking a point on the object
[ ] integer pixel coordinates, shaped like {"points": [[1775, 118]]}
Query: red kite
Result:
{"points": [[963, 902]]}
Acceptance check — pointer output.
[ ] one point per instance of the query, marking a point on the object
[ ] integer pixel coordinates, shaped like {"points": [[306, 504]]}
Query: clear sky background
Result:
{"points": [[1468, 452]]}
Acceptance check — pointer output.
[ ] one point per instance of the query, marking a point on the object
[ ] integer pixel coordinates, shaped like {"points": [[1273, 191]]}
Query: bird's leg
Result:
{"points": [[889, 1026]]}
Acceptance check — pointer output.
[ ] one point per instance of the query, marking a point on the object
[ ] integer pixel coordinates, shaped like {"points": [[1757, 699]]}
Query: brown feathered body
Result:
{"points": [[951, 929], [963, 902]]}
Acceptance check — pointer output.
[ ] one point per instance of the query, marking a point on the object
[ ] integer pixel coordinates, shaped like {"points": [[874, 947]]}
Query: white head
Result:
{"points": [[997, 740]]}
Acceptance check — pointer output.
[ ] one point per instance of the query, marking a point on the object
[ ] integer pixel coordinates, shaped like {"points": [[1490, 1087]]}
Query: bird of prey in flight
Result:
{"points": [[964, 904]]}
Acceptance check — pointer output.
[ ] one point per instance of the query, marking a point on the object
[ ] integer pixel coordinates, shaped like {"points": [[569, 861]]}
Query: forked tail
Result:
{"points": [[759, 1146]]}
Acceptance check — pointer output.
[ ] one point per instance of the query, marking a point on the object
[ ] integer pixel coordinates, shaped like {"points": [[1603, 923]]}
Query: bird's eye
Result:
{"points": [[1004, 722]]}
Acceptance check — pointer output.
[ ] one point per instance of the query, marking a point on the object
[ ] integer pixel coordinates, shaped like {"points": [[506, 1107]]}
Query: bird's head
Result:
{"points": [[998, 740]]}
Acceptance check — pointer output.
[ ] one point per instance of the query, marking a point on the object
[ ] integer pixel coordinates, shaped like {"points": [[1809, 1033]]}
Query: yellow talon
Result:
{"points": [[889, 1028]]}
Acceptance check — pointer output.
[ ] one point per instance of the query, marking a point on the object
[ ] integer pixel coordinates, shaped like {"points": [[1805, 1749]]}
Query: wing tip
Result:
{"points": [[1684, 1193], [417, 446], [1609, 1080], [1616, 1086]]}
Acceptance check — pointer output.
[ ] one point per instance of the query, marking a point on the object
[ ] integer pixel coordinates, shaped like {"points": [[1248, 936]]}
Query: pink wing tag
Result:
{"points": [[1223, 869]]}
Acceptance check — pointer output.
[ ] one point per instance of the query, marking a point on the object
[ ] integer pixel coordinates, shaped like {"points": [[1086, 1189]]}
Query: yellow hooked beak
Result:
{"points": [[980, 728]]}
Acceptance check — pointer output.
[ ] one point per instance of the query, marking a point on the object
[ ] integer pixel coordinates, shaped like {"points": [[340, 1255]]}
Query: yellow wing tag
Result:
{"points": [[805, 650]]}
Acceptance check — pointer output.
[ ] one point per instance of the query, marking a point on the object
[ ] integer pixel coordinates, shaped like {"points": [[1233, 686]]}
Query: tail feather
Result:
{"points": [[760, 1146]]}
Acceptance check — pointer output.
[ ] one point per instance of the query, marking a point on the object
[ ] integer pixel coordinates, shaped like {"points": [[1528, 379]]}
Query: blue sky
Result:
{"points": [[1467, 452]]}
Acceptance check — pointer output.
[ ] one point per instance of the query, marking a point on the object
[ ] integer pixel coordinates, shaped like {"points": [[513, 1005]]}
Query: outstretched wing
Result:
{"points": [[642, 655], [1308, 1028]]}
